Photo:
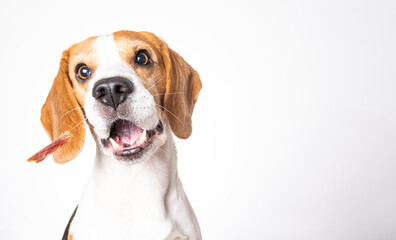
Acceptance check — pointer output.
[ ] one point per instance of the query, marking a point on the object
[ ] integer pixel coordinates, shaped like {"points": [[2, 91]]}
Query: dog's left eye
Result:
{"points": [[142, 57], [82, 72]]}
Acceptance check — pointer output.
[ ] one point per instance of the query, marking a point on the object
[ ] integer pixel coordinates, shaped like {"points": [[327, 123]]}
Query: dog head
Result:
{"points": [[129, 87]]}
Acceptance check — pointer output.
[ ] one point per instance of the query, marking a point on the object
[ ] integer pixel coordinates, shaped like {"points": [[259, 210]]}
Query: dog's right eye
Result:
{"points": [[142, 57], [82, 72]]}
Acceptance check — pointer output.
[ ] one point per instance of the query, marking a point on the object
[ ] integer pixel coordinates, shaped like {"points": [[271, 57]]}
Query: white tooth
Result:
{"points": [[113, 143], [143, 137]]}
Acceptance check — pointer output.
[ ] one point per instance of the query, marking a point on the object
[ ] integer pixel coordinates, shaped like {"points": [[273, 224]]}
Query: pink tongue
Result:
{"points": [[127, 132]]}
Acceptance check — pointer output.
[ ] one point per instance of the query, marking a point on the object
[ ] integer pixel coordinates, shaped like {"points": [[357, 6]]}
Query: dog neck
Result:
{"points": [[118, 194]]}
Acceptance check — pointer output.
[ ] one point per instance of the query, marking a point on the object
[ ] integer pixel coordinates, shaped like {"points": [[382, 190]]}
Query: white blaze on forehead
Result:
{"points": [[110, 62]]}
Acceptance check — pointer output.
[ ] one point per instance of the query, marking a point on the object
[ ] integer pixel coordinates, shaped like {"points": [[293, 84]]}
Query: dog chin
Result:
{"points": [[135, 158], [129, 143]]}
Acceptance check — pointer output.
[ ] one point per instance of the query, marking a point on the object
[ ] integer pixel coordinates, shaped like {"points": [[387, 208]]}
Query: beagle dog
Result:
{"points": [[133, 92]]}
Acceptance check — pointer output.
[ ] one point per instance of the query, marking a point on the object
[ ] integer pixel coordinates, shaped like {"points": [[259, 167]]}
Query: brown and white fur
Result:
{"points": [[135, 194]]}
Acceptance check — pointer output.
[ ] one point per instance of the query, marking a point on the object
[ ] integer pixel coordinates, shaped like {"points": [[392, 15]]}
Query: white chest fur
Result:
{"points": [[139, 201]]}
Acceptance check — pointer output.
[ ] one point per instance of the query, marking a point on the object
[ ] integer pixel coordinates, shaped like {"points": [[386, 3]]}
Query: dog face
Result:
{"points": [[129, 87]]}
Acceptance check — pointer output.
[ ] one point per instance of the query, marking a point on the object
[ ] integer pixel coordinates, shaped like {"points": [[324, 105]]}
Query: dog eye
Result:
{"points": [[82, 72], [142, 57]]}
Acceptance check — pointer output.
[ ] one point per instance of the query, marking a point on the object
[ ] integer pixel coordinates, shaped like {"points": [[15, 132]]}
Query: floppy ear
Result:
{"points": [[182, 90], [61, 112]]}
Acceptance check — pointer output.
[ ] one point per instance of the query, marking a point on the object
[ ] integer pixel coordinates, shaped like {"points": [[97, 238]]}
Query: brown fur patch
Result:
{"points": [[182, 90], [82, 53], [61, 112]]}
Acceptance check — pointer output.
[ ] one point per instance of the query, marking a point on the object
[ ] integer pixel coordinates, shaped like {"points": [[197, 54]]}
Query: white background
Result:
{"points": [[294, 131]]}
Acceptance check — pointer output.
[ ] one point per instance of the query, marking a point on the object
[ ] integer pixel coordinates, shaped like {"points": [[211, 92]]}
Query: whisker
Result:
{"points": [[155, 109], [85, 118], [154, 84], [171, 114], [159, 148], [70, 112], [174, 93]]}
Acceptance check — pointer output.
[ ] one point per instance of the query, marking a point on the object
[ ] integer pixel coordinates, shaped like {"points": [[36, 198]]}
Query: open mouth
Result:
{"points": [[129, 141]]}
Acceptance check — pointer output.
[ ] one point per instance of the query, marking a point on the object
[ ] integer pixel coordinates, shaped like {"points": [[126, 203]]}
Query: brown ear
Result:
{"points": [[61, 112], [182, 90]]}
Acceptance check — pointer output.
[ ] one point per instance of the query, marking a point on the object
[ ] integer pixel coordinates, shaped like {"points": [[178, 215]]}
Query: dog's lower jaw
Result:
{"points": [[139, 201]]}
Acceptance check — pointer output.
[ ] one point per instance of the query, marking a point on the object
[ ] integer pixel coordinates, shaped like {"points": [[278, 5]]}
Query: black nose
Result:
{"points": [[112, 91]]}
